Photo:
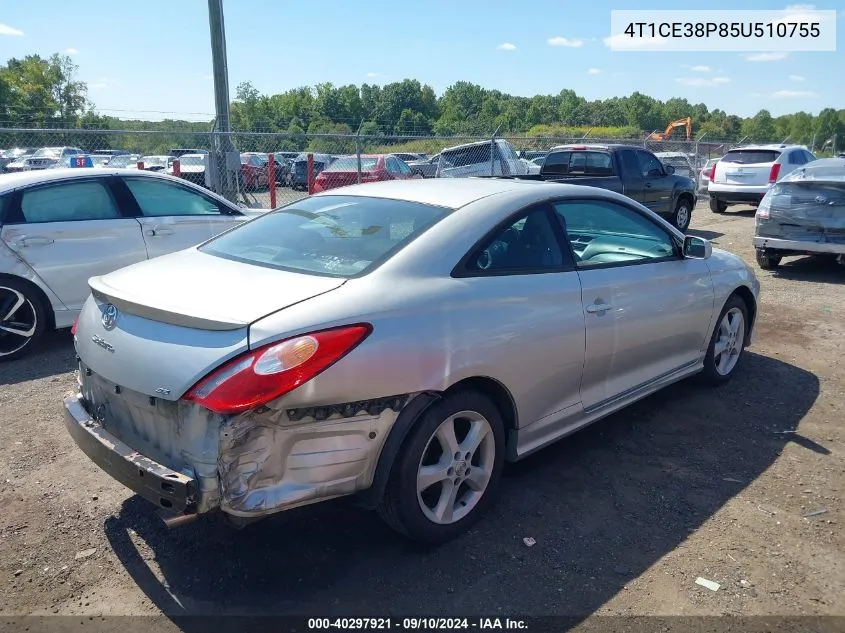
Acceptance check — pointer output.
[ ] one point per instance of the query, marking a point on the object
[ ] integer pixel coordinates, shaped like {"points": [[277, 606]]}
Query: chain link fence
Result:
{"points": [[266, 170]]}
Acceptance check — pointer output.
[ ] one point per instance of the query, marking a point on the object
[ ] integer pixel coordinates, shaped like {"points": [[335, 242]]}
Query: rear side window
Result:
{"points": [[68, 203], [579, 163], [471, 155], [338, 236], [751, 156]]}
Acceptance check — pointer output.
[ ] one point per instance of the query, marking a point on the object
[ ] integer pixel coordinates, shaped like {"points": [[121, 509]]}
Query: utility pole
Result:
{"points": [[224, 176]]}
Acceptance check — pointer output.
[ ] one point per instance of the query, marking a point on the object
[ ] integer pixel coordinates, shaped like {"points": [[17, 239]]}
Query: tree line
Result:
{"points": [[44, 93]]}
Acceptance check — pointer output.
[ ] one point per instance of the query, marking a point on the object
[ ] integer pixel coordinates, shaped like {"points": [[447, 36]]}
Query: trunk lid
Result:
{"points": [[750, 167], [178, 316], [335, 179], [804, 211]]}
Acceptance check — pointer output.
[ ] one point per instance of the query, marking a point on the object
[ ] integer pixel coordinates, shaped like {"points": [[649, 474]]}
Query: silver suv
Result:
{"points": [[485, 158]]}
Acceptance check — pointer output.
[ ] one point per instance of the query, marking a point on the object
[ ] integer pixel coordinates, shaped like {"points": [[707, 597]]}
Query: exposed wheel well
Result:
{"points": [[494, 390], [745, 294], [42, 297], [689, 198]]}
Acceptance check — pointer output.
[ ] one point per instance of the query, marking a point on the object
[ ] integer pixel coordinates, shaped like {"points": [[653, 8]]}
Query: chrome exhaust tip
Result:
{"points": [[174, 519]]}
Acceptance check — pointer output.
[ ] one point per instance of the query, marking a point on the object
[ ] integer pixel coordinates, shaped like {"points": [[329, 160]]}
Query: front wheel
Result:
{"points": [[767, 261], [682, 215], [727, 343], [22, 319], [448, 470]]}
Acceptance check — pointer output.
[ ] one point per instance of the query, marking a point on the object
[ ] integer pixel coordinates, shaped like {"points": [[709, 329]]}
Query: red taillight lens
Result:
{"points": [[773, 175], [713, 172], [271, 371], [74, 326]]}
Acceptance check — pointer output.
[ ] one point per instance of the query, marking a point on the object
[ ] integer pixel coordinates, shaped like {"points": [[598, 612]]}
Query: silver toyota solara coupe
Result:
{"points": [[398, 341]]}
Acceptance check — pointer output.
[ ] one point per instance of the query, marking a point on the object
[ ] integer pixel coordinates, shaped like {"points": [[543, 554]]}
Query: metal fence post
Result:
{"points": [[358, 148], [310, 177], [493, 152], [271, 178]]}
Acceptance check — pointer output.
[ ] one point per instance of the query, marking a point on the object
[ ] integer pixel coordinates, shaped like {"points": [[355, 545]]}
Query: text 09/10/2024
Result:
{"points": [[790, 30]]}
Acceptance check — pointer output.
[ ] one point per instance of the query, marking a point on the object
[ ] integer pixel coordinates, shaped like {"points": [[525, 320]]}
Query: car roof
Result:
{"points": [[9, 182], [770, 146], [454, 193], [474, 144]]}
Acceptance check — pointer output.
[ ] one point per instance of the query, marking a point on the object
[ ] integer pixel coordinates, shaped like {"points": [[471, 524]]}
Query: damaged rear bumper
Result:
{"points": [[154, 482], [799, 246]]}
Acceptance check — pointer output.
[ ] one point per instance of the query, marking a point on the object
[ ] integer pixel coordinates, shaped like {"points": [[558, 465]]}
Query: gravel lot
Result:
{"points": [[626, 514]]}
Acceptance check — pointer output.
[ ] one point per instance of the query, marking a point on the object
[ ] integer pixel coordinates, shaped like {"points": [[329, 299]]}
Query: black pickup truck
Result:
{"points": [[626, 169]]}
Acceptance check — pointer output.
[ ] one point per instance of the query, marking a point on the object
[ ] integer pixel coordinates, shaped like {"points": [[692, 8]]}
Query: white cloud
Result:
{"points": [[793, 94], [701, 69], [5, 29], [594, 71], [506, 46], [797, 78], [373, 74], [562, 41], [99, 84], [802, 13], [703, 82], [795, 8], [766, 57], [71, 51], [620, 41]]}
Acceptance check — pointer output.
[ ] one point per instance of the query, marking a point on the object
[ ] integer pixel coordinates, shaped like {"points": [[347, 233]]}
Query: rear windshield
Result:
{"points": [[471, 155], [194, 161], [578, 163], [350, 163], [751, 156], [337, 236]]}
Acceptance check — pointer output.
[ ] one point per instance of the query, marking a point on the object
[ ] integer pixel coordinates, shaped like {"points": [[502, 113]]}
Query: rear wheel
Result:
{"points": [[22, 318], [767, 261], [448, 470], [718, 206]]}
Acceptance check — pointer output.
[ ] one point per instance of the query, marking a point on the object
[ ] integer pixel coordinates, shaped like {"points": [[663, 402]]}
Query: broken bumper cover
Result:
{"points": [[777, 244], [154, 482]]}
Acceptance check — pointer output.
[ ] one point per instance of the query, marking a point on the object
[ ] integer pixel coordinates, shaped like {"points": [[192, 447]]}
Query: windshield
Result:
{"points": [[350, 163], [48, 152], [751, 156], [191, 161], [338, 236], [155, 161], [120, 161]]}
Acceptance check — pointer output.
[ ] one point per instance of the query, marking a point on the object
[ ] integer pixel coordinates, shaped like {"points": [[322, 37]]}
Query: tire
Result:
{"points": [[682, 215], [767, 261], [718, 206], [21, 310], [717, 369], [423, 516]]}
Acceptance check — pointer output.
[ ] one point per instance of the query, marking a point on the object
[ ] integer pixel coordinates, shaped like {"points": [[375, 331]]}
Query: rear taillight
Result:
{"points": [[271, 371], [74, 326], [773, 175], [713, 172]]}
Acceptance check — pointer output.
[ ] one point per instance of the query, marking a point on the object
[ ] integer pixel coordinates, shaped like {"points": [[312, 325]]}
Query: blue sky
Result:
{"points": [[152, 59]]}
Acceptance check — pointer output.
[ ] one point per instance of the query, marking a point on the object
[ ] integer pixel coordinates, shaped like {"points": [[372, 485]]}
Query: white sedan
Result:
{"points": [[60, 227]]}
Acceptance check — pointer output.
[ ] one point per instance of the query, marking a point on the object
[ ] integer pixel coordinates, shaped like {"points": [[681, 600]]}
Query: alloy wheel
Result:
{"points": [[18, 320], [728, 345], [456, 467]]}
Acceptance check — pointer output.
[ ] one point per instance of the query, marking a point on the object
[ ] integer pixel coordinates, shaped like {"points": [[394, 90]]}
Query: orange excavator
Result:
{"points": [[685, 123]]}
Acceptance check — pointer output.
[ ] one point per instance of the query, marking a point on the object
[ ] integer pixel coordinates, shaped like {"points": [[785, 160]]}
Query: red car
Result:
{"points": [[374, 167], [254, 171]]}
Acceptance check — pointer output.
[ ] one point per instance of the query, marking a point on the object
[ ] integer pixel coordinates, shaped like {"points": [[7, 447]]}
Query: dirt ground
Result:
{"points": [[626, 514]]}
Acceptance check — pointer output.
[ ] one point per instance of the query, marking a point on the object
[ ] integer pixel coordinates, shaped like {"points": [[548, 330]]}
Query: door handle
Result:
{"points": [[598, 308], [36, 240], [157, 231]]}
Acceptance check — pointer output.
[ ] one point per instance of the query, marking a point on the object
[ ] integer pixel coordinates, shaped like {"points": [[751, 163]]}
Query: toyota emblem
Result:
{"points": [[109, 317]]}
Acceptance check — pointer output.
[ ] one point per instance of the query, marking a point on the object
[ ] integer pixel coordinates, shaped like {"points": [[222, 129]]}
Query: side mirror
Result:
{"points": [[669, 169], [697, 247]]}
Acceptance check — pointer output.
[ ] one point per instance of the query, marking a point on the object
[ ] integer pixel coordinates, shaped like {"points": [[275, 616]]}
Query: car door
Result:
{"points": [[174, 216], [520, 288], [657, 188], [71, 231], [647, 308]]}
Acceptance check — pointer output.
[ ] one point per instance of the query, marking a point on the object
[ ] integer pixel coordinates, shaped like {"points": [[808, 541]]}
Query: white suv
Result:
{"points": [[745, 174]]}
